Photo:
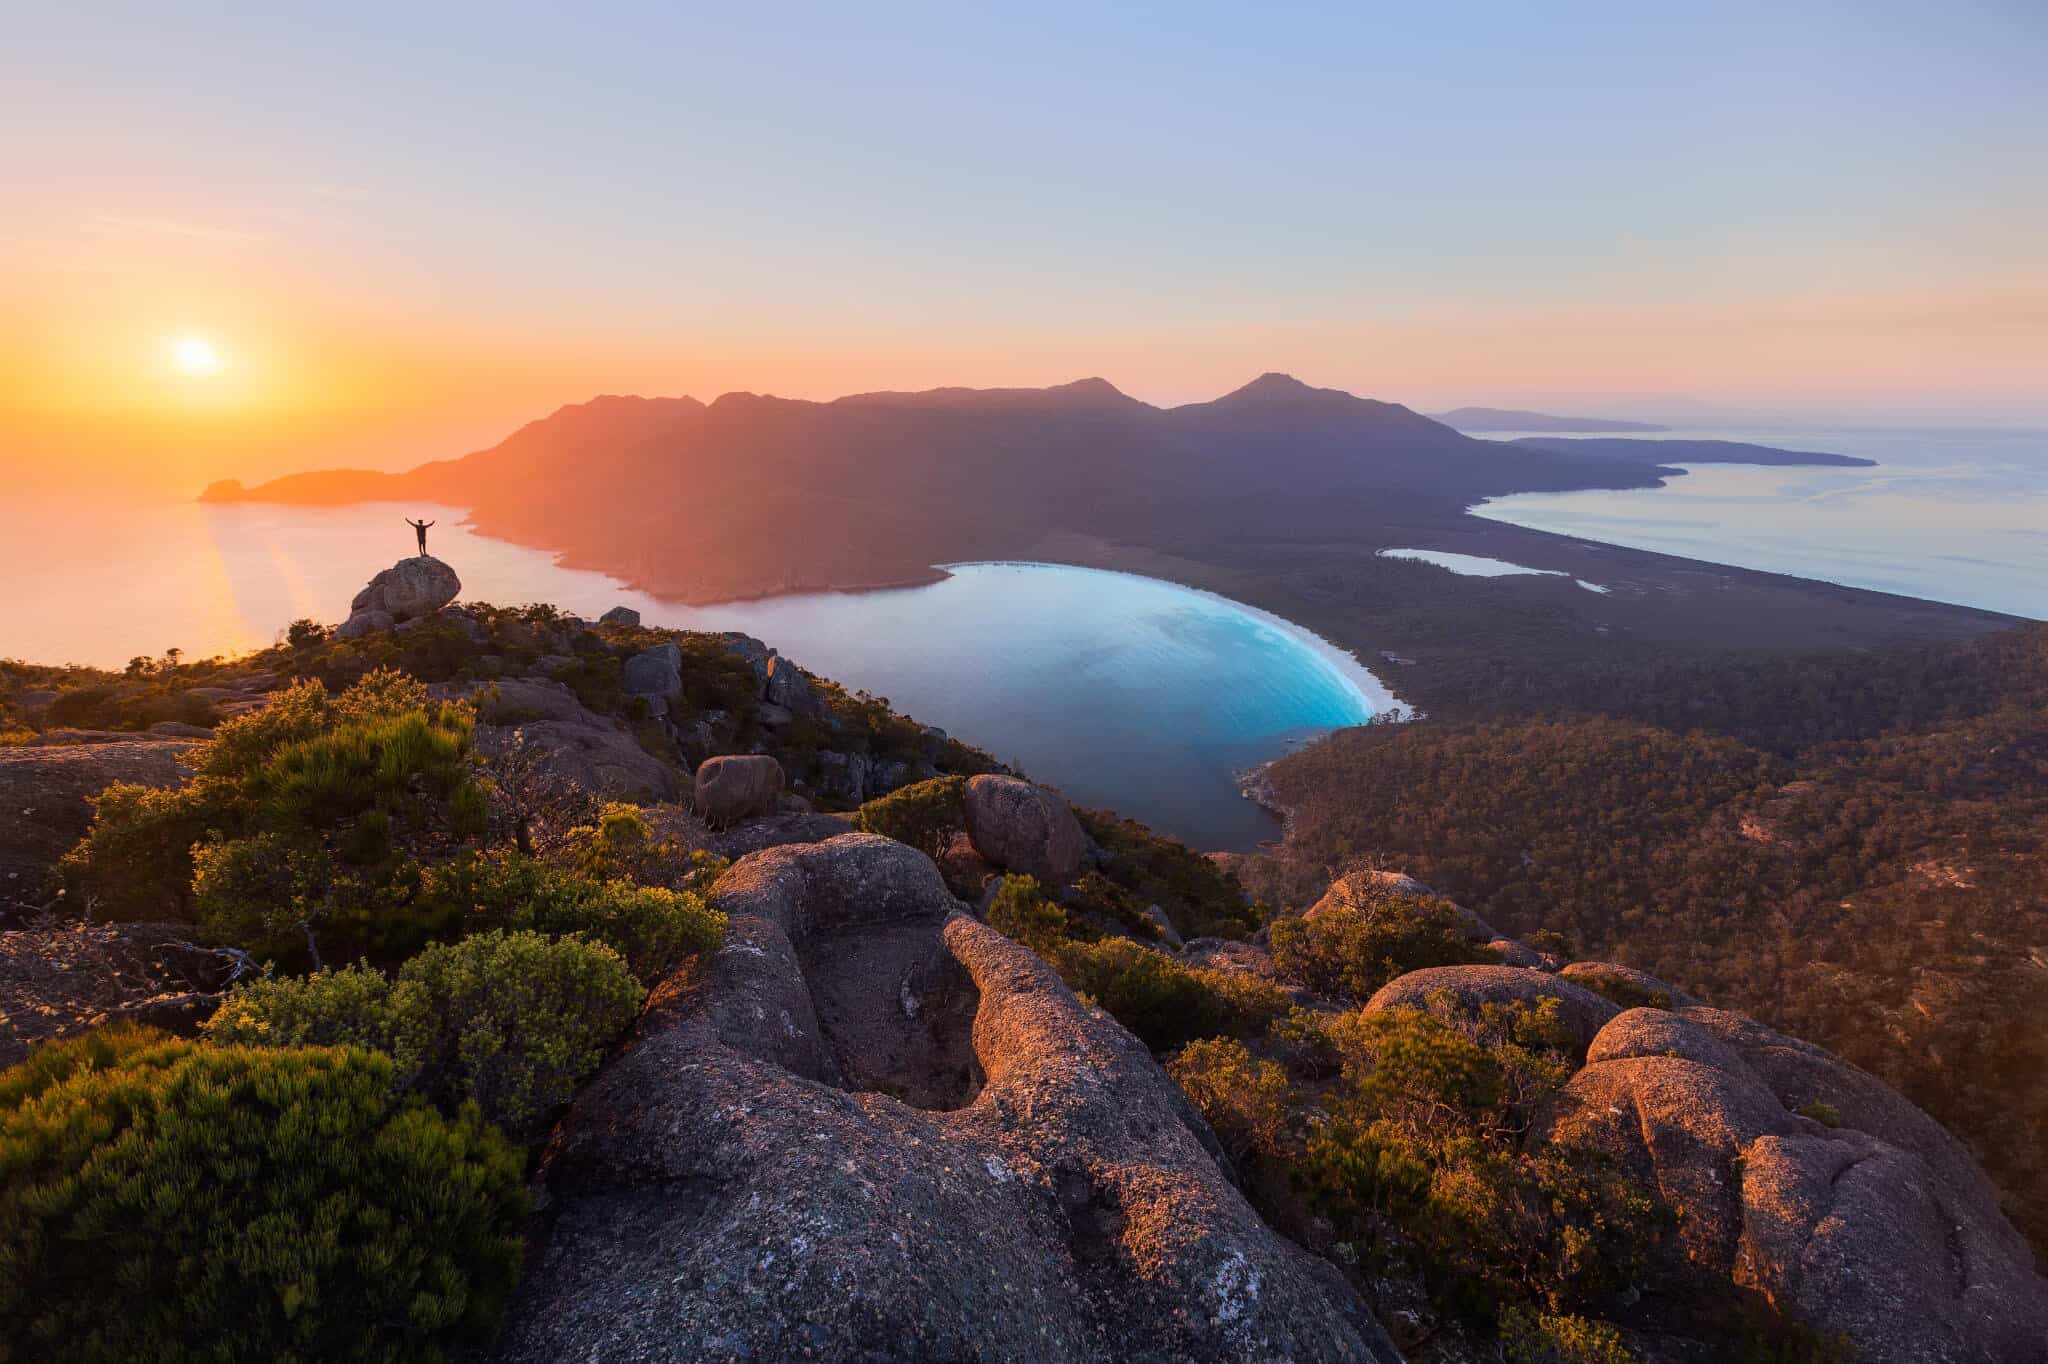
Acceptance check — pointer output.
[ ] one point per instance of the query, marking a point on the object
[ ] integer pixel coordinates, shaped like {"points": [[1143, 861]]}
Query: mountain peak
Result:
{"points": [[1272, 384], [1092, 387]]}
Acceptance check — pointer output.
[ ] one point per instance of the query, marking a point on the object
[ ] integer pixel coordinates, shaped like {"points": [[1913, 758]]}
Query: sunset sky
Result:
{"points": [[404, 232]]}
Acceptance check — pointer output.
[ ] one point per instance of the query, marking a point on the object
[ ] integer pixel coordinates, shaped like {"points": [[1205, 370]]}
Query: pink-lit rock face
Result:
{"points": [[873, 1127]]}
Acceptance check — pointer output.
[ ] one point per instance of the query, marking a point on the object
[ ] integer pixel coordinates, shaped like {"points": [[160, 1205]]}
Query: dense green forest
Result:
{"points": [[1850, 847]]}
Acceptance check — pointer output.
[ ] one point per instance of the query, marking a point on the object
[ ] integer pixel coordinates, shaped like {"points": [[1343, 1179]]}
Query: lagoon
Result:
{"points": [[1125, 691]]}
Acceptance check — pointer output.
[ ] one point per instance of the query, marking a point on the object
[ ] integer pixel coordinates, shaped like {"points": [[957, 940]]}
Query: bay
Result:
{"points": [[1126, 692]]}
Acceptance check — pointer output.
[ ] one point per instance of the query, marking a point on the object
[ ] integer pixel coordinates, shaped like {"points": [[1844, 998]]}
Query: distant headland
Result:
{"points": [[1515, 419]]}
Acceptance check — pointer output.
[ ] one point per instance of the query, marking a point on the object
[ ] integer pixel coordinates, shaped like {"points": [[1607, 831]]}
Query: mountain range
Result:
{"points": [[753, 494]]}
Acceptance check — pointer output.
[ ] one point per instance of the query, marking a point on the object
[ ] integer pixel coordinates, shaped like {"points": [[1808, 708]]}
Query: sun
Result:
{"points": [[196, 356]]}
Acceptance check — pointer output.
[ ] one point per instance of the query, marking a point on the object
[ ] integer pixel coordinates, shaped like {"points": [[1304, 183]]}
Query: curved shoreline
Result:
{"points": [[1378, 700]]}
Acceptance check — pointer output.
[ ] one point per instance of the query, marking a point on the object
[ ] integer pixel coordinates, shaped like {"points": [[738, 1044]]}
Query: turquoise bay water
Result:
{"points": [[1124, 691], [1954, 516]]}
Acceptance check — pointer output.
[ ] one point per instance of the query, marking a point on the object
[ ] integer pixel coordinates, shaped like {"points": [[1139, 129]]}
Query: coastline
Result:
{"points": [[1376, 697]]}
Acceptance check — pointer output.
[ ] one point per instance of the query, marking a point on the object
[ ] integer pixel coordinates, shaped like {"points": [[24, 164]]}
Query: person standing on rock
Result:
{"points": [[421, 528]]}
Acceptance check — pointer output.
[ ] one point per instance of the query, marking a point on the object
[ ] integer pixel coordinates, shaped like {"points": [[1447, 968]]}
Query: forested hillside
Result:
{"points": [[1854, 848]]}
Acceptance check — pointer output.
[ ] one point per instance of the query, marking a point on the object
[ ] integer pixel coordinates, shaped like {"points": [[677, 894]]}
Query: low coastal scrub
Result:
{"points": [[1348, 953], [651, 928], [509, 1022], [162, 1199], [335, 1170], [1396, 1141], [1200, 899], [1165, 1002], [306, 824], [927, 815]]}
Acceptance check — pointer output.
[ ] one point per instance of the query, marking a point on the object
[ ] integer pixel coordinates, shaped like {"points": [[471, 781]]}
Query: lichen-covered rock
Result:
{"points": [[655, 673], [736, 785], [786, 686], [755, 653], [1025, 828], [62, 979], [870, 1127], [1802, 1177], [844, 776]]}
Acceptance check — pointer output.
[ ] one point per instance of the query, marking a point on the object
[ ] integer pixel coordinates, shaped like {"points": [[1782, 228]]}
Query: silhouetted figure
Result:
{"points": [[421, 527]]}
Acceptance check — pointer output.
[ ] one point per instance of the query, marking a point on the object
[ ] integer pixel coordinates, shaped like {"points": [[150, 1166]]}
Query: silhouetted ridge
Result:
{"points": [[756, 494]]}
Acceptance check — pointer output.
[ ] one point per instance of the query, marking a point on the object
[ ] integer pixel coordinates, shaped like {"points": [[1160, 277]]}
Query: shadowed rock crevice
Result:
{"points": [[896, 1011]]}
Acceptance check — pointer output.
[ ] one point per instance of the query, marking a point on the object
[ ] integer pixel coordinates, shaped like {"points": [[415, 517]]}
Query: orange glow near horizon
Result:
{"points": [[171, 361]]}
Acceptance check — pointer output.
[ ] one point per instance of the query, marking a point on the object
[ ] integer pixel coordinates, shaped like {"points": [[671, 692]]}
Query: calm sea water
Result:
{"points": [[1124, 691], [1946, 515]]}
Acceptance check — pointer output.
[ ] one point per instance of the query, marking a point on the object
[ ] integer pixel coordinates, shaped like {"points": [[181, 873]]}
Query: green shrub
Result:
{"points": [[1021, 911], [651, 927], [1200, 899], [52, 1063], [303, 835], [1537, 1338], [1246, 1099], [348, 1007], [622, 845], [1422, 1160], [168, 1200], [1826, 1114], [514, 1021], [242, 744], [91, 707], [380, 694], [1350, 953], [1165, 1003], [1620, 989], [508, 1021], [926, 815], [1097, 896], [135, 863]]}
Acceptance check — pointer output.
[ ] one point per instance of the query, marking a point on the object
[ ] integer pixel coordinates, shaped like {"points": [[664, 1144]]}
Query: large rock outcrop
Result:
{"points": [[870, 1127], [46, 799], [1025, 828], [408, 590], [656, 674], [540, 728], [1793, 1172]]}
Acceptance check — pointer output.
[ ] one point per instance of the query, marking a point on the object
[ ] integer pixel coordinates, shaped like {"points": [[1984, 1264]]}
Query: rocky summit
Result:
{"points": [[721, 1014], [870, 1127]]}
